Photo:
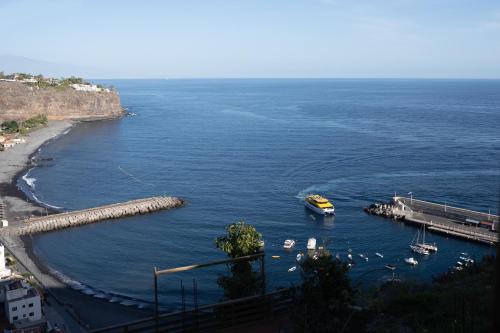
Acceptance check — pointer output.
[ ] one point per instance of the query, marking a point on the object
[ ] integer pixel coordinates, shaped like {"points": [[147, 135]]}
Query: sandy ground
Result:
{"points": [[79, 311], [14, 160]]}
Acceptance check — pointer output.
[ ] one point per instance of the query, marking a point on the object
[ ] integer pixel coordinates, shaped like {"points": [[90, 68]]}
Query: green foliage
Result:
{"points": [[22, 76], [34, 122], [456, 301], [323, 300], [73, 80], [10, 126], [24, 126], [241, 240]]}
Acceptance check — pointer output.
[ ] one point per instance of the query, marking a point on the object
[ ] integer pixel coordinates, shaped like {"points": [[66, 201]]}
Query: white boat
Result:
{"points": [[427, 246], [411, 261], [291, 269], [349, 256], [391, 267], [415, 247], [289, 243], [419, 250], [299, 257], [337, 256], [311, 243], [379, 254], [319, 205], [362, 256]]}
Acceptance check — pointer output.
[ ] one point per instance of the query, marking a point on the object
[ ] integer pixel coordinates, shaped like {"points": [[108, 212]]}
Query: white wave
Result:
{"points": [[30, 181], [100, 294], [88, 291], [44, 204], [128, 302]]}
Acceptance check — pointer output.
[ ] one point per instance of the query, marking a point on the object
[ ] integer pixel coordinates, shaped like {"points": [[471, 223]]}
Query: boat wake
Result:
{"points": [[332, 185]]}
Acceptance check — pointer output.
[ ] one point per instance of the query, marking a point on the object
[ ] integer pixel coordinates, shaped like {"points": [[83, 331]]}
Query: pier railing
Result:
{"points": [[446, 219]]}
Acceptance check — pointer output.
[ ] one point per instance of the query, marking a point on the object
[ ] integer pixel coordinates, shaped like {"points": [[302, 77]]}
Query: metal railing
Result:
{"points": [[212, 317]]}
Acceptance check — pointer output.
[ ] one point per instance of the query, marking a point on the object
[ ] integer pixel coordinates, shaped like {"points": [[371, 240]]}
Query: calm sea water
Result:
{"points": [[251, 150]]}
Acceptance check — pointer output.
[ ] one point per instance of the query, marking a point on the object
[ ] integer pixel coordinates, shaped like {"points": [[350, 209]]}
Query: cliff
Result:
{"points": [[19, 101]]}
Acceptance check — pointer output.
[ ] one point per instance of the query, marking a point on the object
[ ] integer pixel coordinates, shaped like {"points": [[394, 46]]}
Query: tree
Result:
{"points": [[10, 126], [323, 300], [241, 240]]}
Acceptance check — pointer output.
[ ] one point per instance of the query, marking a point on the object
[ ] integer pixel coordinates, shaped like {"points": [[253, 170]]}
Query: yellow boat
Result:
{"points": [[319, 205]]}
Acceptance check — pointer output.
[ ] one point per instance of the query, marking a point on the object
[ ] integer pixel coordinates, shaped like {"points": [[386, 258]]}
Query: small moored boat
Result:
{"points": [[411, 261], [379, 254], [311, 243], [289, 243], [391, 267], [291, 269]]}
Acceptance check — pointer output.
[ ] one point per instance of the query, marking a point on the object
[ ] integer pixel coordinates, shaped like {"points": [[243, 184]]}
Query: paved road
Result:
{"points": [[452, 219], [452, 213]]}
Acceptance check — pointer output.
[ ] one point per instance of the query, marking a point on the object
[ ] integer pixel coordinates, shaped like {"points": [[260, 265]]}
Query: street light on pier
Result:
{"points": [[411, 197]]}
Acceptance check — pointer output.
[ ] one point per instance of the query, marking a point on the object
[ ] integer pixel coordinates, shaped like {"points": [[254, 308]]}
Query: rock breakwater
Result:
{"points": [[92, 215], [384, 209]]}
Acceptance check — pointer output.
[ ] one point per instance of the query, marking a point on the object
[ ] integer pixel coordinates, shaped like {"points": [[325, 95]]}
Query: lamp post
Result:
{"points": [[411, 197]]}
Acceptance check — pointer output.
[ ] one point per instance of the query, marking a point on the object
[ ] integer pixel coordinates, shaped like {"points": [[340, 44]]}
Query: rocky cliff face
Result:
{"points": [[19, 101]]}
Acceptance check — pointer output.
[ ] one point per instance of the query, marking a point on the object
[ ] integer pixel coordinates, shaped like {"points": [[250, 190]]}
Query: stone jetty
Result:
{"points": [[453, 221], [91, 215], [384, 209]]}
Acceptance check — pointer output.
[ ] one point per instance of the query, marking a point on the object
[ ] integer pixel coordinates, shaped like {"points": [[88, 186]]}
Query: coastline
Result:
{"points": [[14, 163]]}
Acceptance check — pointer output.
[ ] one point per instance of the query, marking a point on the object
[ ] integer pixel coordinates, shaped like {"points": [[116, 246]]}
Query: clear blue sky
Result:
{"points": [[258, 38]]}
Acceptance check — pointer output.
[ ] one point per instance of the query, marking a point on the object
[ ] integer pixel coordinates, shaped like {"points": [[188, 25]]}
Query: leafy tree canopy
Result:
{"points": [[241, 240]]}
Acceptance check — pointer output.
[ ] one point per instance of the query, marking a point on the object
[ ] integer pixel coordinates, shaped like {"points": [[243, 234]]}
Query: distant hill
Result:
{"points": [[17, 64]]}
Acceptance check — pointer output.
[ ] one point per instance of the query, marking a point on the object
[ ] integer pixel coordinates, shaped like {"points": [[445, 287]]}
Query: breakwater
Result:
{"points": [[97, 214], [445, 219]]}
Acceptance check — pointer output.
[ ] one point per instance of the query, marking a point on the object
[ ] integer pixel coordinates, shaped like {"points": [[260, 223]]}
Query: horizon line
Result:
{"points": [[294, 78]]}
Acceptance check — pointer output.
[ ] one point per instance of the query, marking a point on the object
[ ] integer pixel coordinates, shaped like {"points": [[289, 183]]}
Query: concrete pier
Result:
{"points": [[453, 221], [92, 215]]}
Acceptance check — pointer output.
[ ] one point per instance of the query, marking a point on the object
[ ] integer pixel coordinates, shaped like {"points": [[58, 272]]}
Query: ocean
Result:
{"points": [[251, 150]]}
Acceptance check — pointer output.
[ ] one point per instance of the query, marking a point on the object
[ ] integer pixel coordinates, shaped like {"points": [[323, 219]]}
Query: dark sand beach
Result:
{"points": [[90, 312]]}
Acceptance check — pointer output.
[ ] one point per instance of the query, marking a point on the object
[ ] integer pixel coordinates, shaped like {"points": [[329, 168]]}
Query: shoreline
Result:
{"points": [[14, 163]]}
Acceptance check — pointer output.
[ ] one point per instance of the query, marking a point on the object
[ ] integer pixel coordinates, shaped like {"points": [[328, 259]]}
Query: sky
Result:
{"points": [[253, 38]]}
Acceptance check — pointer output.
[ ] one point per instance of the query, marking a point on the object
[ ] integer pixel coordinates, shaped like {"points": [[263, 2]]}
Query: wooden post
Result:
{"points": [[156, 300], [263, 274]]}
